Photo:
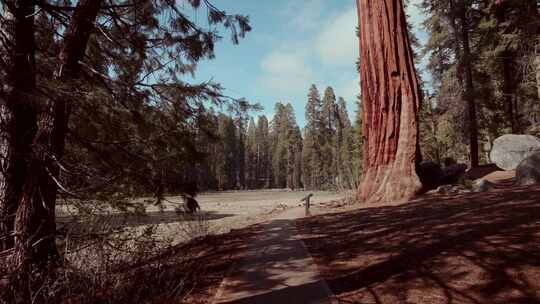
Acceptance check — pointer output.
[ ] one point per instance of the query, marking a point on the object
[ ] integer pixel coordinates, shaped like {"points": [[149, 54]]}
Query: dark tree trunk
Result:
{"points": [[509, 91], [537, 68], [469, 87], [35, 224], [434, 130], [390, 101], [18, 112]]}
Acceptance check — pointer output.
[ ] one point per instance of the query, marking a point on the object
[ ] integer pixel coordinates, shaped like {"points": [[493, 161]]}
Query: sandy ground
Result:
{"points": [[224, 211], [220, 212], [249, 207]]}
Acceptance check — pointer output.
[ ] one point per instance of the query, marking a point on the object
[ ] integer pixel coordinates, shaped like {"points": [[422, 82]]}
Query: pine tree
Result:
{"points": [[328, 139], [292, 138], [252, 155], [311, 154], [344, 148], [264, 155], [227, 157], [279, 147]]}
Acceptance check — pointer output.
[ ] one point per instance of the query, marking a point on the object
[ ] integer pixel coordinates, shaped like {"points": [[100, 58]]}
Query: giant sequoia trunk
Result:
{"points": [[390, 101]]}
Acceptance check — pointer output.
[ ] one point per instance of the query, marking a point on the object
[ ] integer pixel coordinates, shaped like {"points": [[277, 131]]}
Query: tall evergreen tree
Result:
{"points": [[252, 156], [227, 158], [311, 153], [279, 146], [264, 155], [328, 139]]}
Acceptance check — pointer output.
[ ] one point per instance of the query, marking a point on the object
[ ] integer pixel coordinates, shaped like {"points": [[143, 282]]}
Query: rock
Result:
{"points": [[445, 189], [452, 174], [430, 175], [510, 150], [452, 189], [458, 189], [482, 185], [528, 171]]}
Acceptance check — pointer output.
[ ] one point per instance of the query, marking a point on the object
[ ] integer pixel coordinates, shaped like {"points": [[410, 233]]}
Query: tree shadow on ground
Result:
{"points": [[476, 248], [257, 262]]}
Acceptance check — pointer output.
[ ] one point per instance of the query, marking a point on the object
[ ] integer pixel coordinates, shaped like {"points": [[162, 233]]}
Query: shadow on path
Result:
{"points": [[479, 248], [275, 268]]}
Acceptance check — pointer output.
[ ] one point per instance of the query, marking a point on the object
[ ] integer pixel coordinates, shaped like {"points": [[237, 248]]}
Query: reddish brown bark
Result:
{"points": [[390, 102]]}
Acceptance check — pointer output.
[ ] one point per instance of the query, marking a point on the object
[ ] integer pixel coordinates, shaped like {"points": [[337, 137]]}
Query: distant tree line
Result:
{"points": [[258, 153]]}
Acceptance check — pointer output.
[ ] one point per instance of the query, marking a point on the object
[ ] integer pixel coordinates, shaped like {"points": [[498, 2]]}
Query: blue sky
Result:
{"points": [[293, 44]]}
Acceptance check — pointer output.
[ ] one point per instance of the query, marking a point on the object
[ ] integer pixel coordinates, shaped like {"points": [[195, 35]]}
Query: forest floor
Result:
{"points": [[468, 248]]}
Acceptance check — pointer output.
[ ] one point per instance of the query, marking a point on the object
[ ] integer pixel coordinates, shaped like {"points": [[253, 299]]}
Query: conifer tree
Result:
{"points": [[311, 154], [328, 139], [252, 155], [264, 155]]}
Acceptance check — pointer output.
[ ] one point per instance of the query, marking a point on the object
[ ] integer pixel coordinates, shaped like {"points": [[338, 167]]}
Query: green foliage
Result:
{"points": [[505, 89]]}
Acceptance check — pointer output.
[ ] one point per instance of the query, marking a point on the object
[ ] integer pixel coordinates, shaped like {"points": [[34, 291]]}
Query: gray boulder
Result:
{"points": [[528, 171], [509, 150]]}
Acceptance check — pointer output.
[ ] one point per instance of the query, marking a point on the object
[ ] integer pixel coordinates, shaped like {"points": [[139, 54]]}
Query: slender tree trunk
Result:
{"points": [[469, 88], [434, 130], [537, 66], [509, 91], [6, 225], [390, 101]]}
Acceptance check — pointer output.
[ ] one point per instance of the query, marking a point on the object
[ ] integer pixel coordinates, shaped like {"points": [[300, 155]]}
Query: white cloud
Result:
{"points": [[286, 71], [304, 15], [337, 43], [325, 55]]}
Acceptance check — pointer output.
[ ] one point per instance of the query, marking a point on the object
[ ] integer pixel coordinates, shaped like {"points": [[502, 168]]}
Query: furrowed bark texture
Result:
{"points": [[18, 115], [390, 102], [35, 222]]}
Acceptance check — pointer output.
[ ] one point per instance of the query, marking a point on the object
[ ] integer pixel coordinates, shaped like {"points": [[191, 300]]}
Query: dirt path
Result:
{"points": [[276, 268]]}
